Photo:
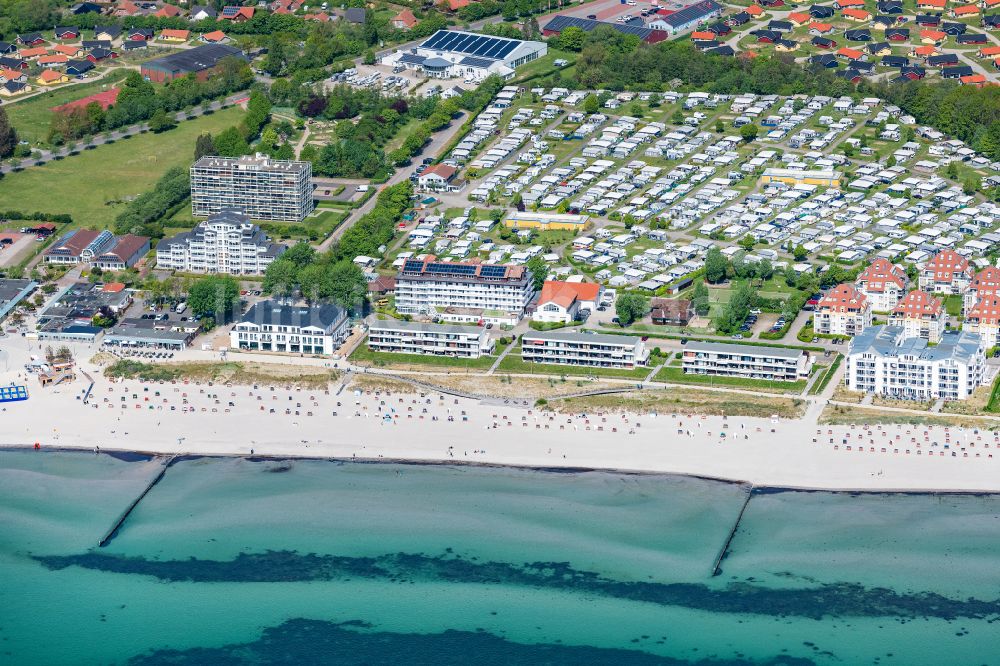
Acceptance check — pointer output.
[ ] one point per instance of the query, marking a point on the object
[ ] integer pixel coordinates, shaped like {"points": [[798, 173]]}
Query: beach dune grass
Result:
{"points": [[676, 375], [686, 401], [224, 372], [363, 355]]}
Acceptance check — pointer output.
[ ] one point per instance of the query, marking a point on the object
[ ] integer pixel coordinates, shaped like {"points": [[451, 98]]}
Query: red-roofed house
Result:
{"points": [[844, 4], [947, 272], [437, 177], [883, 283], [562, 301], [236, 14], [984, 319], [860, 15], [168, 11], [965, 10], [985, 283], [921, 316], [214, 37], [799, 18], [989, 51], [843, 311], [935, 37], [977, 80], [176, 36], [453, 5], [850, 54], [931, 4], [754, 10], [819, 29], [404, 20], [925, 51]]}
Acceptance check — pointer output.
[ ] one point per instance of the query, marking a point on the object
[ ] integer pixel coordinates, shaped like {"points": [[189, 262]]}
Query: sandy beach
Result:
{"points": [[386, 425]]}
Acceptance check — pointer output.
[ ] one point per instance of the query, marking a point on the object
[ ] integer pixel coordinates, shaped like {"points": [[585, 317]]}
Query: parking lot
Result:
{"points": [[390, 80], [15, 251], [612, 10]]}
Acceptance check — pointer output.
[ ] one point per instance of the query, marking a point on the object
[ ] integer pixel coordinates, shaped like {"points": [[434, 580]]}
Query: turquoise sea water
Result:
{"points": [[259, 562]]}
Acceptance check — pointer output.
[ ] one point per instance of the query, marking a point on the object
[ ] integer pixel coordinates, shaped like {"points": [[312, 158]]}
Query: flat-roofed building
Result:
{"points": [[546, 221], [843, 311], [298, 329], [724, 359], [920, 315], [427, 286], [821, 177], [884, 283], [591, 350], [257, 186], [883, 361], [410, 337], [227, 242], [12, 292]]}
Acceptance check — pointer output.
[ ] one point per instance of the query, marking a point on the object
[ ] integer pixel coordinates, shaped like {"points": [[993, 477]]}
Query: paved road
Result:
{"points": [[46, 156], [438, 141]]}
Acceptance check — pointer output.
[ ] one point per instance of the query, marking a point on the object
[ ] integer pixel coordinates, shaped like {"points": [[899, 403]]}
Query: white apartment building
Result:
{"points": [[920, 315], [883, 283], [748, 361], [463, 291], [226, 242], [843, 311], [597, 350], [258, 186], [947, 272], [985, 283], [984, 320], [883, 361], [295, 329], [409, 337]]}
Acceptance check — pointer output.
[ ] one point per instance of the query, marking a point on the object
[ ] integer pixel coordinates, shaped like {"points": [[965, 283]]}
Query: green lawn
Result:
{"points": [[676, 375], [366, 356], [953, 304], [32, 117], [83, 185]]}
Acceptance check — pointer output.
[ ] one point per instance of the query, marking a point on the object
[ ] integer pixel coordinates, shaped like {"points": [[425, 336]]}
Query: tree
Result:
{"points": [[749, 132], [952, 170], [800, 253], [715, 266], [215, 295], [719, 127], [571, 39], [631, 307], [161, 121], [8, 136], [747, 242], [301, 254], [230, 143], [736, 310], [204, 145], [765, 269], [312, 280], [539, 271], [971, 184], [700, 298], [281, 277], [591, 105], [348, 287]]}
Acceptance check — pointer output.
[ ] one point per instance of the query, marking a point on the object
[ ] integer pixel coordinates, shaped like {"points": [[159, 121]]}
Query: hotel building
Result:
{"points": [[748, 361], [947, 272], [226, 242], [597, 350], [843, 311], [882, 360], [260, 187], [883, 283], [463, 291], [409, 337], [299, 329], [921, 316]]}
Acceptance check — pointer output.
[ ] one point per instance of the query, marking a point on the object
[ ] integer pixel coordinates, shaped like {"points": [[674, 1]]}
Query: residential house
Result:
{"points": [[562, 301], [947, 272], [883, 283], [672, 311], [404, 20], [920, 315], [295, 329], [50, 77], [983, 318], [985, 283], [843, 311], [437, 177]]}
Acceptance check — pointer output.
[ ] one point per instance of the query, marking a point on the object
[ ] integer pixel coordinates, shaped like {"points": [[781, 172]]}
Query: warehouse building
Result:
{"points": [[200, 61], [458, 54], [560, 22]]}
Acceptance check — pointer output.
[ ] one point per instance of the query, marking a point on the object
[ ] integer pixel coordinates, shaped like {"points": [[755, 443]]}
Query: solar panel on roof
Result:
{"points": [[493, 271], [412, 59], [413, 265]]}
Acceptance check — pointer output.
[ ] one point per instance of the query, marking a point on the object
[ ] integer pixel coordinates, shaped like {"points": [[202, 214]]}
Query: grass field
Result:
{"points": [[365, 356], [676, 375], [32, 117], [513, 364], [82, 185]]}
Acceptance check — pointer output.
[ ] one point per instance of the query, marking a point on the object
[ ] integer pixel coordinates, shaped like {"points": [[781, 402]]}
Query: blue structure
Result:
{"points": [[13, 393]]}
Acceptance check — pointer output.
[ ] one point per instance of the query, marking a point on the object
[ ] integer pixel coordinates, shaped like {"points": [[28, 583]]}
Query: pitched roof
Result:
{"points": [[50, 75], [986, 311], [986, 282], [442, 170], [168, 33], [843, 298], [945, 264], [565, 293], [917, 304], [880, 275], [405, 17]]}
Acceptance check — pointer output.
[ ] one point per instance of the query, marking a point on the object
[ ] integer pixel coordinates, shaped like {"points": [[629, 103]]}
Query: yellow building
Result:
{"points": [[546, 221], [823, 178], [50, 77]]}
